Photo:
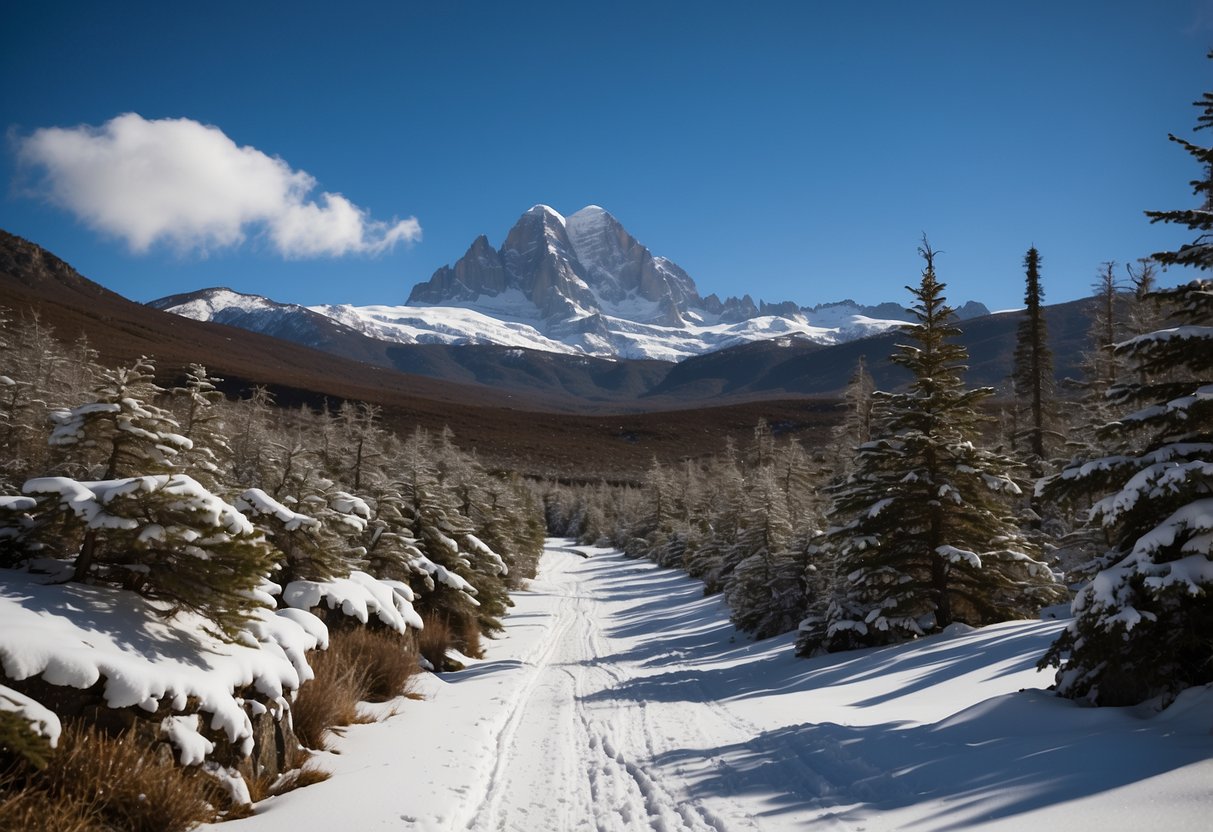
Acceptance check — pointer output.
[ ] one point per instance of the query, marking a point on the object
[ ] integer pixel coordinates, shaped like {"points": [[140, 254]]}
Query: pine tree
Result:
{"points": [[1144, 625], [1032, 376], [920, 529], [751, 588], [197, 401], [138, 522], [119, 433], [856, 426], [711, 562], [1199, 252]]}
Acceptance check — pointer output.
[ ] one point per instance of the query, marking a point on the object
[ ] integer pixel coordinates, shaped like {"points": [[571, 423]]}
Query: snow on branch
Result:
{"points": [[486, 556], [953, 555], [42, 720], [88, 500], [1154, 481], [257, 502], [359, 596]]}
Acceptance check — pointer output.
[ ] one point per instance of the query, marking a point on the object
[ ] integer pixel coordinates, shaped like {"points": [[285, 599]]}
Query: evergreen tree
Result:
{"points": [[919, 528], [163, 536], [762, 547], [197, 402], [715, 558], [119, 433], [1199, 252], [856, 426], [1032, 376], [138, 523], [1144, 625]]}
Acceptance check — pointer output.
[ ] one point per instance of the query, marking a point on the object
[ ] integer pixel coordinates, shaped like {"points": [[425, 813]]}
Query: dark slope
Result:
{"points": [[771, 368]]}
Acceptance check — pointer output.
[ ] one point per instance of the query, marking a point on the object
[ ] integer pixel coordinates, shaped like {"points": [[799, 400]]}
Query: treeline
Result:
{"points": [[922, 511], [195, 500]]}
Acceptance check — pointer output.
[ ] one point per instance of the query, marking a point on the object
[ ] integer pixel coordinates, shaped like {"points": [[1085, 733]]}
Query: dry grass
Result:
{"points": [[360, 665], [466, 633], [435, 639], [387, 665], [93, 781], [33, 810], [262, 787], [298, 779]]}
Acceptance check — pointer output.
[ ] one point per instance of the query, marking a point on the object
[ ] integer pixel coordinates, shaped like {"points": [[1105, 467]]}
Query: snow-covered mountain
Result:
{"points": [[577, 284]]}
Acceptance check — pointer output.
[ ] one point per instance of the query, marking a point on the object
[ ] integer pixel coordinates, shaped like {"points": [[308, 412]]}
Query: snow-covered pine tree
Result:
{"points": [[119, 433], [763, 575], [920, 528], [727, 493], [164, 536], [197, 404], [313, 523], [1143, 627], [448, 590], [460, 489], [142, 524], [391, 549]]}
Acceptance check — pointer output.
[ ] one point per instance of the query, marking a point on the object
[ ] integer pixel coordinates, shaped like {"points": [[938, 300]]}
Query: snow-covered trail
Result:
{"points": [[620, 698], [570, 754]]}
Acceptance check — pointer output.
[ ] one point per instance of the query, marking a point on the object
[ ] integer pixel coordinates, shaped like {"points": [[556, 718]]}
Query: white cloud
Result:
{"points": [[187, 184]]}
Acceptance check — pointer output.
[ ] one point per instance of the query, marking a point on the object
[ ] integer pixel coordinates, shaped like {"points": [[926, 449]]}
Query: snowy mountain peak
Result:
{"points": [[546, 211], [579, 284]]}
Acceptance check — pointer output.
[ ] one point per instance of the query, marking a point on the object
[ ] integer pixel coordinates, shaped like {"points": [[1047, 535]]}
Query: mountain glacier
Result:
{"points": [[576, 284]]}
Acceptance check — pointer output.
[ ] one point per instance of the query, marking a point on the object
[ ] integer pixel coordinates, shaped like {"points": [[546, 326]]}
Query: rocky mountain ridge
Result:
{"points": [[579, 284]]}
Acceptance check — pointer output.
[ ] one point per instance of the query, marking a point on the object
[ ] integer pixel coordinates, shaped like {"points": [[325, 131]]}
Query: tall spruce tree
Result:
{"points": [[1032, 376], [1199, 252], [920, 528], [1143, 627]]}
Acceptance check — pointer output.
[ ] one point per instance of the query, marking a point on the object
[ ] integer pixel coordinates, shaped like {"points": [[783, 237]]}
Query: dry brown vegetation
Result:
{"points": [[96, 782], [360, 665], [266, 786]]}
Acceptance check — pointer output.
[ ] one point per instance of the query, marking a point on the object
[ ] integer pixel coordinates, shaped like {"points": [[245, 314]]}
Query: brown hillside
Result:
{"points": [[507, 431]]}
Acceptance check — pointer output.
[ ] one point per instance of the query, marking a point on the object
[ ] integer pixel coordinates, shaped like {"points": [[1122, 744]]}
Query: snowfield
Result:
{"points": [[622, 699]]}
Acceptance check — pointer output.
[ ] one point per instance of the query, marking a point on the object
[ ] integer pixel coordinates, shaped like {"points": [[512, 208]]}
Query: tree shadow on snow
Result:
{"points": [[996, 760], [711, 667], [133, 627]]}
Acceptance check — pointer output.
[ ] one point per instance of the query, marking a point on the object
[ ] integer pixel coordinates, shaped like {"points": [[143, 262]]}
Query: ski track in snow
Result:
{"points": [[589, 770], [622, 699], [571, 755]]}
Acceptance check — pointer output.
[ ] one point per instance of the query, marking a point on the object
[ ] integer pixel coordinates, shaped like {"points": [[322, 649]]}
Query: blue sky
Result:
{"points": [[791, 150]]}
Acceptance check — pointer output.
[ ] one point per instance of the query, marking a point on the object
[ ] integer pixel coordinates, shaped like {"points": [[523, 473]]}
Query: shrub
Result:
{"points": [[94, 781], [434, 641], [359, 665], [385, 662]]}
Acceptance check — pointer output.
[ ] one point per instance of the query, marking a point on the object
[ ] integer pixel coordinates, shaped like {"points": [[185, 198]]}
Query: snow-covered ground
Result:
{"points": [[622, 699]]}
